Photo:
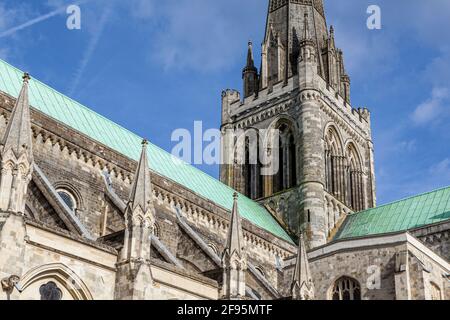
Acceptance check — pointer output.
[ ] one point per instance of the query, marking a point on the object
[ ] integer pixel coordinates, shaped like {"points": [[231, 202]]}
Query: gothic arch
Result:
{"points": [[67, 186], [350, 143], [285, 151], [334, 162], [284, 119], [61, 275], [345, 288], [355, 178], [247, 152], [156, 230], [332, 134]]}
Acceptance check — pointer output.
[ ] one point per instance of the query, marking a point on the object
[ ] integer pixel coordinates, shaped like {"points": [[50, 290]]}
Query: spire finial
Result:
{"points": [[141, 191], [234, 257], [235, 241], [18, 132], [250, 60], [302, 284], [26, 77]]}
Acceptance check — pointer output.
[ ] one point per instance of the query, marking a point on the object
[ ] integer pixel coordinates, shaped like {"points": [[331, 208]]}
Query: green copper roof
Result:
{"points": [[99, 128], [403, 215]]}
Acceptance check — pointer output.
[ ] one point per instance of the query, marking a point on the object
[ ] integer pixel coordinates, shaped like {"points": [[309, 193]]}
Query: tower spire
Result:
{"points": [[17, 136], [17, 155], [285, 19], [141, 191], [139, 214], [331, 40], [250, 74], [234, 258], [302, 285], [134, 272], [250, 60], [235, 239]]}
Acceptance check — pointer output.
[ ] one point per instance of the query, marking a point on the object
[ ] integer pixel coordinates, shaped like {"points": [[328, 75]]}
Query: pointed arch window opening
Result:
{"points": [[346, 288], [334, 166], [343, 173], [254, 180], [280, 174], [247, 169], [292, 165], [286, 177], [50, 292], [355, 181]]}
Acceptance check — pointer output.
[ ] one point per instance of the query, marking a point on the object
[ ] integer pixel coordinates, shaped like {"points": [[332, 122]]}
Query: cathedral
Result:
{"points": [[91, 211]]}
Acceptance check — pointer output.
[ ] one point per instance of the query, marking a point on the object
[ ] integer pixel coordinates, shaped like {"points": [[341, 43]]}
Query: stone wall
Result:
{"points": [[75, 163], [366, 260]]}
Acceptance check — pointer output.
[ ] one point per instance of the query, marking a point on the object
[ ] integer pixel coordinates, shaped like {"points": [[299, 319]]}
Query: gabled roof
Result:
{"points": [[411, 213], [105, 131]]}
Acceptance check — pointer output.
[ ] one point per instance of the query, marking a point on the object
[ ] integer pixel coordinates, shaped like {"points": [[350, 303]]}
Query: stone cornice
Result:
{"points": [[344, 120], [265, 110]]}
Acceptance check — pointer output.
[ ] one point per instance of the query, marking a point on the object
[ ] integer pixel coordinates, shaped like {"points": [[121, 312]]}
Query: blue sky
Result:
{"points": [[154, 66]]}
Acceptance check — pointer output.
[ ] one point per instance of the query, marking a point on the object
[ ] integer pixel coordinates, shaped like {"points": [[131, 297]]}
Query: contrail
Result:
{"points": [[37, 20], [90, 50]]}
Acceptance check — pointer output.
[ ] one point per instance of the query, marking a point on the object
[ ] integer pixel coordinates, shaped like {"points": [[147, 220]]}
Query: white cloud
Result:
{"points": [[408, 145], [14, 20], [433, 108], [199, 35], [442, 170]]}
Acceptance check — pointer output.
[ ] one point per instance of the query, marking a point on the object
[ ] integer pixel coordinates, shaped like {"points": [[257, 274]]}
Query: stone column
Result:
{"points": [[312, 180]]}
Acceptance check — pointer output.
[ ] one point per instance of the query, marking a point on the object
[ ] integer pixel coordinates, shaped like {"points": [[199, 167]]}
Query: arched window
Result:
{"points": [[346, 288], [251, 170], [53, 282], [50, 291], [68, 199], [292, 162], [334, 165], [286, 177], [278, 183], [248, 169], [156, 230], [260, 178], [355, 189]]}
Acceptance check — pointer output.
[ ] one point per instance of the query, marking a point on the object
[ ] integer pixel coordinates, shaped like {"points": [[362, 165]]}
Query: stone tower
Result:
{"points": [[293, 141]]}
